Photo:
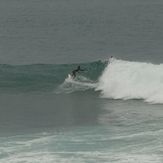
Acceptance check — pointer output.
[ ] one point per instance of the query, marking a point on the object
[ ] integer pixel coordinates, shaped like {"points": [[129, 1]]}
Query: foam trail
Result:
{"points": [[132, 80], [81, 83]]}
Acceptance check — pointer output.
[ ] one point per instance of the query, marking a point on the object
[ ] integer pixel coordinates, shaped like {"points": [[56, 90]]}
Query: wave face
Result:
{"points": [[116, 79], [43, 77], [132, 80]]}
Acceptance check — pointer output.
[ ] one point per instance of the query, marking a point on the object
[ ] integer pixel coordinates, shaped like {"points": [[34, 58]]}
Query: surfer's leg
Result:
{"points": [[73, 74]]}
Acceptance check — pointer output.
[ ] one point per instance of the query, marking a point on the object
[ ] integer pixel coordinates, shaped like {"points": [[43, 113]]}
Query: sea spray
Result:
{"points": [[116, 79], [80, 83], [132, 80]]}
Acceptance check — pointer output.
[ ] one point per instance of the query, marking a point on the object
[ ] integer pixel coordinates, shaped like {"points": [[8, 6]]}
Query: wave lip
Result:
{"points": [[132, 80]]}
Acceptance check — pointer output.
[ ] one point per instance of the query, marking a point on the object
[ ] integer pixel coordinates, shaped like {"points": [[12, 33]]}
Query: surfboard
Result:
{"points": [[70, 76]]}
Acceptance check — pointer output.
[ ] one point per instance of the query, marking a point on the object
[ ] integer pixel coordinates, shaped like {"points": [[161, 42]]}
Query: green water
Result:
{"points": [[47, 118]]}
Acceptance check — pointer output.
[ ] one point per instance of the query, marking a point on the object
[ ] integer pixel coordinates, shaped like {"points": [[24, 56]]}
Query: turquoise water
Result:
{"points": [[111, 112], [43, 77], [93, 118], [106, 131]]}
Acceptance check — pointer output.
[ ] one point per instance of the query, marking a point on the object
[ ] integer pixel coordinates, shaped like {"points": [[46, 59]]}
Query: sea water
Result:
{"points": [[111, 112]]}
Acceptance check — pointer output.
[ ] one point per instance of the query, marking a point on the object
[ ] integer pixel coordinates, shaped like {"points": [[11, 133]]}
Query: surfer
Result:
{"points": [[73, 73]]}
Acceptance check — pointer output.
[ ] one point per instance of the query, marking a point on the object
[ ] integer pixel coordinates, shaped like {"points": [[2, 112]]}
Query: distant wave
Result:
{"points": [[132, 80]]}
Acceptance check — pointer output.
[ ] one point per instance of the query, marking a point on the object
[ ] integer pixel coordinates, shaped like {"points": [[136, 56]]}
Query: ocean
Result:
{"points": [[112, 112]]}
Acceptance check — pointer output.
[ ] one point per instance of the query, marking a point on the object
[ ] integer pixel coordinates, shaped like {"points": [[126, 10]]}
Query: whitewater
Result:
{"points": [[112, 79], [110, 113], [132, 80], [122, 80]]}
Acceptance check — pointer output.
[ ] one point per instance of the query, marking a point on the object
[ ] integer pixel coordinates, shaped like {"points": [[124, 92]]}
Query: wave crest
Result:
{"points": [[132, 80]]}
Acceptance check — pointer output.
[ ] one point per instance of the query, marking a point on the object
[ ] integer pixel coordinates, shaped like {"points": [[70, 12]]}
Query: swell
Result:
{"points": [[43, 77], [115, 79]]}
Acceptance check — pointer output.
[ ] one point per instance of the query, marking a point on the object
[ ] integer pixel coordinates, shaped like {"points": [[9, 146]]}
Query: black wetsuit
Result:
{"points": [[75, 71]]}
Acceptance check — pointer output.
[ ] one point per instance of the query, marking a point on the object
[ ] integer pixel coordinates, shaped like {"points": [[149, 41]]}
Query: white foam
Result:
{"points": [[80, 83], [132, 80], [44, 149], [80, 157]]}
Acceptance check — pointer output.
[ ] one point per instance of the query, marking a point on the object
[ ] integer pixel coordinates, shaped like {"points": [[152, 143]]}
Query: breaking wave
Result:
{"points": [[132, 80], [114, 79]]}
